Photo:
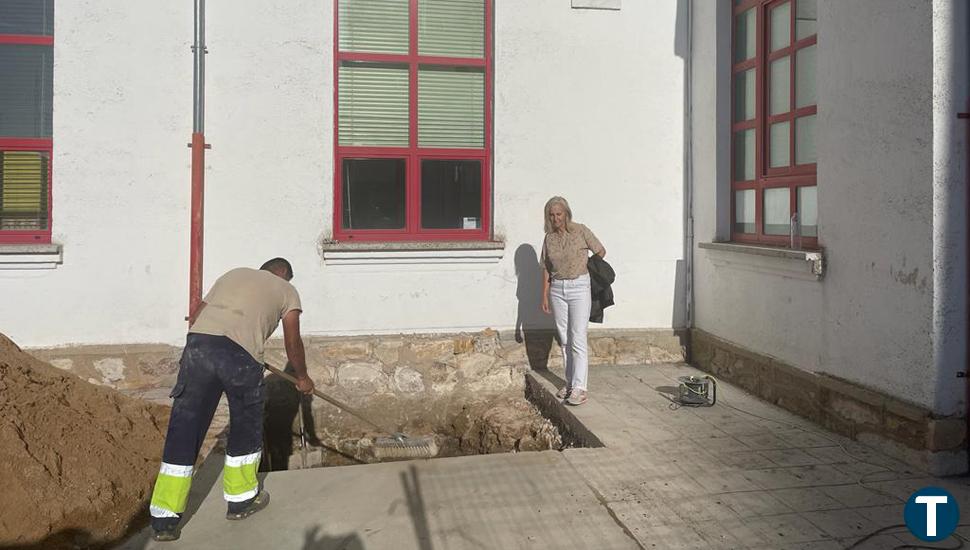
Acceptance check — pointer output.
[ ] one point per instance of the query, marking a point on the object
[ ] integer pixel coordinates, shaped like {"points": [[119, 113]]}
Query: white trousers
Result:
{"points": [[570, 300]]}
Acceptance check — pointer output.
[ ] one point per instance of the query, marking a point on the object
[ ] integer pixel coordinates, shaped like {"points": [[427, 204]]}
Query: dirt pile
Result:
{"points": [[77, 461]]}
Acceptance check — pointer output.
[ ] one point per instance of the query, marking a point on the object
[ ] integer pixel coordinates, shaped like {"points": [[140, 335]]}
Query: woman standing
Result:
{"points": [[565, 285]]}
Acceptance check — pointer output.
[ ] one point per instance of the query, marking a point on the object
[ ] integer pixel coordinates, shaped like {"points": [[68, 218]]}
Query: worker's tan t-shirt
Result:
{"points": [[246, 306], [564, 255]]}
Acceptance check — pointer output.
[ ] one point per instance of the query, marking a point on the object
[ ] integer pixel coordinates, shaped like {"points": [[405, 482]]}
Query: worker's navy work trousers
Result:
{"points": [[211, 366]]}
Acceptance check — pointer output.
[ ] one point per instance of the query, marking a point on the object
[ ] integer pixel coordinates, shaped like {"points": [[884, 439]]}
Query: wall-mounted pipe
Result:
{"points": [[198, 161]]}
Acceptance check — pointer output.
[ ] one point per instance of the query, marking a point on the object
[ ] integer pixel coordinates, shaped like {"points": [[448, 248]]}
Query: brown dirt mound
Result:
{"points": [[77, 461]]}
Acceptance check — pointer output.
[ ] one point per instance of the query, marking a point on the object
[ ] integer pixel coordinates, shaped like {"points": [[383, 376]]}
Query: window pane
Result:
{"points": [[780, 85], [781, 26], [454, 28], [808, 210], [805, 77], [373, 104], [778, 148], [744, 211], [24, 176], [744, 155], [805, 18], [379, 26], [745, 36], [805, 140], [451, 194], [26, 90], [744, 90], [373, 193], [34, 17], [451, 107], [777, 211]]}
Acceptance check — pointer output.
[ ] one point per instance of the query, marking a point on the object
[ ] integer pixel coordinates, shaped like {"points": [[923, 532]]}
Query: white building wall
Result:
{"points": [[870, 320], [122, 118], [588, 105]]}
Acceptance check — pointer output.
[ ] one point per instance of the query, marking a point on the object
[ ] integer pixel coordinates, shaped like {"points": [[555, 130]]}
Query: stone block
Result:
{"points": [[428, 350], [346, 350], [602, 347], [855, 391], [475, 364], [464, 344], [112, 370], [906, 410], [321, 373], [913, 434], [487, 342], [408, 381], [946, 434], [389, 352], [362, 378], [63, 364], [854, 411], [515, 354]]}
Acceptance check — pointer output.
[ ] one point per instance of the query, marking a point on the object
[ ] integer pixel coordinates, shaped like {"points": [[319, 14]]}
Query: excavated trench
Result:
{"points": [[461, 424]]}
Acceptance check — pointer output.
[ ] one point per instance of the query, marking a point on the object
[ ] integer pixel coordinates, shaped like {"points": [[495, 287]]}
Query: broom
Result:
{"points": [[395, 446]]}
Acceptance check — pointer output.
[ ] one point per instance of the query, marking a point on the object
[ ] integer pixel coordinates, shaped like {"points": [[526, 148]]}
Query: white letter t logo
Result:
{"points": [[931, 503]]}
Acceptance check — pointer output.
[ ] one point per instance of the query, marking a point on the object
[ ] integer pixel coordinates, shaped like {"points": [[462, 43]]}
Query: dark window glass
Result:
{"points": [[373, 193], [451, 194]]}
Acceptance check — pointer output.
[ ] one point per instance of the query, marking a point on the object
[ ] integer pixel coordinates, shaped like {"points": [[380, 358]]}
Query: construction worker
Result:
{"points": [[224, 354]]}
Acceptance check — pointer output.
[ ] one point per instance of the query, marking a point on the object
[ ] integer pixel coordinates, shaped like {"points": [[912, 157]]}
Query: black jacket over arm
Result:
{"points": [[601, 276]]}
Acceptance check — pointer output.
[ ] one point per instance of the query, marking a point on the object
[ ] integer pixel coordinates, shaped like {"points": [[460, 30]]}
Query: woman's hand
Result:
{"points": [[545, 305]]}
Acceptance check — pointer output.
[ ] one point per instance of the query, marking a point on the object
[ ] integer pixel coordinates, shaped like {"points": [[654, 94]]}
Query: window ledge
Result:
{"points": [[471, 252], [30, 256], [596, 4], [797, 264]]}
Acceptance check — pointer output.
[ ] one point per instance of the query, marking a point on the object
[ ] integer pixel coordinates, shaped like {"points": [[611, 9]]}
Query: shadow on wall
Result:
{"points": [[678, 318], [532, 325], [681, 307]]}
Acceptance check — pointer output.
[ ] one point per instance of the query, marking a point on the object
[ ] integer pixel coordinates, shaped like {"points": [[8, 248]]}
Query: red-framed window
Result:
{"points": [[774, 110], [413, 119], [26, 112]]}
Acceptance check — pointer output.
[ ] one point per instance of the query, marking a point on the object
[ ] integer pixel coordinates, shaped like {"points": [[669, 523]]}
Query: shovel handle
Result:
{"points": [[327, 398]]}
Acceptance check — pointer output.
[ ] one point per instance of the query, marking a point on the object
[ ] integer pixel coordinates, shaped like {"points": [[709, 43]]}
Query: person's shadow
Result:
{"points": [[532, 326]]}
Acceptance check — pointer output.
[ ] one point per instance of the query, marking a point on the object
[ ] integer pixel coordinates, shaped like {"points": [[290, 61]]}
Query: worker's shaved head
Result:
{"points": [[279, 266]]}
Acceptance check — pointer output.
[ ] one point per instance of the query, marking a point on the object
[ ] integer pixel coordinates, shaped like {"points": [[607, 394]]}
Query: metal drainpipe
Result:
{"points": [[689, 167], [966, 365], [198, 161]]}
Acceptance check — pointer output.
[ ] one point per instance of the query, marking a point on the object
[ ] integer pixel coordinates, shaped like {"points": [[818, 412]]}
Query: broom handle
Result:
{"points": [[327, 398]]}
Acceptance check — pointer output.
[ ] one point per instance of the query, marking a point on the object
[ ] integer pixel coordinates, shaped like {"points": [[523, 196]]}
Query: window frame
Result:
{"points": [[413, 154], [794, 175], [41, 145]]}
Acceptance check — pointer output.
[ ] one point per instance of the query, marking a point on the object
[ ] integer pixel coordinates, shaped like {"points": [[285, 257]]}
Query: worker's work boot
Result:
{"points": [[166, 535], [242, 510]]}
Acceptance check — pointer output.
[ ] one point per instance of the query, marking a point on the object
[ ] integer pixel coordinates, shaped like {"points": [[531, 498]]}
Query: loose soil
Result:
{"points": [[77, 460]]}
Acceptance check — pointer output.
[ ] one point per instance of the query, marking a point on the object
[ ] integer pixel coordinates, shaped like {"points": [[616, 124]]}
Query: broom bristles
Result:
{"points": [[410, 447]]}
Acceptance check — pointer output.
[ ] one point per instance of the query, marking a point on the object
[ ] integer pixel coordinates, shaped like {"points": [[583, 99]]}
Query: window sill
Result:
{"points": [[797, 264], [30, 256], [596, 4], [471, 252]]}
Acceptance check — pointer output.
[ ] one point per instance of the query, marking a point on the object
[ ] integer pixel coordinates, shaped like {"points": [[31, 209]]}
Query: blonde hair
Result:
{"points": [[565, 206]]}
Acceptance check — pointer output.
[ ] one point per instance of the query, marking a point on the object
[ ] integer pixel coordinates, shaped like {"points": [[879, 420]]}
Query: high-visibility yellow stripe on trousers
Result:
{"points": [[239, 481], [171, 490]]}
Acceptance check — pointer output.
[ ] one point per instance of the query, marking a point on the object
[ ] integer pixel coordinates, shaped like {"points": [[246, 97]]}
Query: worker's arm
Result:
{"points": [[545, 291], [294, 350], [195, 314]]}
